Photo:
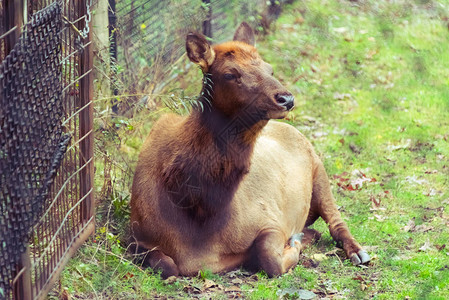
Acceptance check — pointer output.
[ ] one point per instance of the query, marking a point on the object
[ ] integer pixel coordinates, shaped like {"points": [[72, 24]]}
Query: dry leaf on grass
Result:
{"points": [[426, 247]]}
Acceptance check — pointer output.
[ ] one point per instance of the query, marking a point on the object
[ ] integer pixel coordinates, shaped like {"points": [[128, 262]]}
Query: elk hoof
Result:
{"points": [[360, 257], [296, 237]]}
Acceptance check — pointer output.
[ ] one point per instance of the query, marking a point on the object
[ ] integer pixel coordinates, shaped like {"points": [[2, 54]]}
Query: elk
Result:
{"points": [[227, 186]]}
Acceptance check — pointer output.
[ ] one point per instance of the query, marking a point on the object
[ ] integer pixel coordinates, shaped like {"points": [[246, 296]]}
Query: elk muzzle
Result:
{"points": [[285, 100]]}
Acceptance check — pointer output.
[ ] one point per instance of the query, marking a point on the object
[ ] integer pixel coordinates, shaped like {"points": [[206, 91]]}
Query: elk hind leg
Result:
{"points": [[324, 203]]}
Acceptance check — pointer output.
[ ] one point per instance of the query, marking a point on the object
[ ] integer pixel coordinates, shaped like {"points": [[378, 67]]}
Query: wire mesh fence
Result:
{"points": [[46, 167]]}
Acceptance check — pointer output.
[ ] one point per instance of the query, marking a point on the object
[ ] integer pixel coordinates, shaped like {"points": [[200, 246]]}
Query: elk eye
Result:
{"points": [[229, 76]]}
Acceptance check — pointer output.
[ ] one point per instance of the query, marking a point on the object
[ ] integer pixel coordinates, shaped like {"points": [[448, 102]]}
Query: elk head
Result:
{"points": [[242, 82]]}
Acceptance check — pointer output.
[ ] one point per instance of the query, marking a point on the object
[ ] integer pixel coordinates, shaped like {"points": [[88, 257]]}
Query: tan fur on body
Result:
{"points": [[226, 186]]}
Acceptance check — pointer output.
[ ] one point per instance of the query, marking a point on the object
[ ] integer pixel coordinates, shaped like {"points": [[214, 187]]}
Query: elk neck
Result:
{"points": [[215, 161], [237, 132]]}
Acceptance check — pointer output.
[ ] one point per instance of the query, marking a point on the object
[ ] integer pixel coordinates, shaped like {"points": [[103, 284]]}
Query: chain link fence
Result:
{"points": [[46, 167]]}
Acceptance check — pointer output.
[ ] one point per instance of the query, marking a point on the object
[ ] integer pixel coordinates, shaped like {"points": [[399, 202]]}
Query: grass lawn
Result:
{"points": [[371, 82]]}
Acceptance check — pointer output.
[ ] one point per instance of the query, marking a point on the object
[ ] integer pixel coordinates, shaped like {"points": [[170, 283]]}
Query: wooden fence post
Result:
{"points": [[22, 289], [13, 14]]}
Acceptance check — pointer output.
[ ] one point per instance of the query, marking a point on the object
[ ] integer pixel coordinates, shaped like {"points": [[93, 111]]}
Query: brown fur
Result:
{"points": [[226, 186]]}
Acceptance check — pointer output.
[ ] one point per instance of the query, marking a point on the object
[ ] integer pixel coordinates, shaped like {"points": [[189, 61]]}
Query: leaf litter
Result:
{"points": [[354, 181]]}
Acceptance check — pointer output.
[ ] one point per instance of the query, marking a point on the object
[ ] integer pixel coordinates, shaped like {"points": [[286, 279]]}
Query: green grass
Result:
{"points": [[371, 81]]}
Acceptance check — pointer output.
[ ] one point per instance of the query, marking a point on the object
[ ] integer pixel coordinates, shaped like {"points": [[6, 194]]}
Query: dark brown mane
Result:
{"points": [[207, 171]]}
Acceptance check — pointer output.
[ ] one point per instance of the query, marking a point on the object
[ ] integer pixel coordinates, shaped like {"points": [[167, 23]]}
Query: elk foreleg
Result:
{"points": [[273, 255], [324, 204], [158, 261]]}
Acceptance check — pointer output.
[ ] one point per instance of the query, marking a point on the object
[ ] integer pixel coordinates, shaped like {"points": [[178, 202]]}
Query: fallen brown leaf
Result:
{"points": [[209, 284], [170, 280], [379, 218], [440, 247], [410, 226], [190, 289], [65, 295], [423, 228], [426, 247], [233, 288]]}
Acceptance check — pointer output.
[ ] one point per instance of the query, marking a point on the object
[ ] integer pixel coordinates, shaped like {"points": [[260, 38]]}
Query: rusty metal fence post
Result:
{"points": [[86, 127]]}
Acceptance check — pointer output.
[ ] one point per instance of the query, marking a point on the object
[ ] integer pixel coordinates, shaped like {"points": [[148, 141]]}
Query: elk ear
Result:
{"points": [[244, 33], [199, 51]]}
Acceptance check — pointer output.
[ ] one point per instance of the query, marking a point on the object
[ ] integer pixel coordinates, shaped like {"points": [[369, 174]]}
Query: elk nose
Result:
{"points": [[285, 100]]}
